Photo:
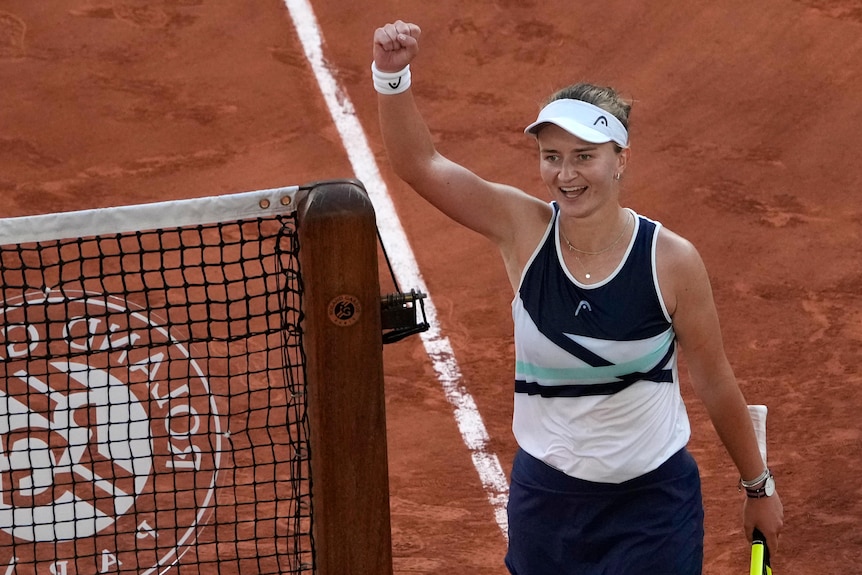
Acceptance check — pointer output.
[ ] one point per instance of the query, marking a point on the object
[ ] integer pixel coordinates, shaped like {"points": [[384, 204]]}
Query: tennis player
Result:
{"points": [[604, 298]]}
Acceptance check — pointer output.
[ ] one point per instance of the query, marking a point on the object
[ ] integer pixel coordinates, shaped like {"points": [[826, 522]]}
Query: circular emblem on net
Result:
{"points": [[109, 437], [344, 310]]}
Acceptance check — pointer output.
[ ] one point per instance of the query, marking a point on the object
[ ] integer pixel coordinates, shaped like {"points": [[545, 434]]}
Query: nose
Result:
{"points": [[568, 171]]}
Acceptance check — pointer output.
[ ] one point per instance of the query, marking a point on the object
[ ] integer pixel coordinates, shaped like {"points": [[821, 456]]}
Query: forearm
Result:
{"points": [[488, 208], [728, 412], [406, 137], [451, 188]]}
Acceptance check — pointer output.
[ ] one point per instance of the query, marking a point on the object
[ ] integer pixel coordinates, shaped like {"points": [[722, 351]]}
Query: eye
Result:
{"points": [[584, 157], [550, 157]]}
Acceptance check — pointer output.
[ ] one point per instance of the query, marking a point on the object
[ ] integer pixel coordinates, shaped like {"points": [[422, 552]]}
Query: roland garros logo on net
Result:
{"points": [[109, 438]]}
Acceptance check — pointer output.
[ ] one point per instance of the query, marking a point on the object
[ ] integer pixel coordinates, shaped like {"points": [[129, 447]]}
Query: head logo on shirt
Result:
{"points": [[583, 305]]}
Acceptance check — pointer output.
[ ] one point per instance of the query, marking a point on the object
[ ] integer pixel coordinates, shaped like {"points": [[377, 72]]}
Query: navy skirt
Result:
{"points": [[650, 525]]}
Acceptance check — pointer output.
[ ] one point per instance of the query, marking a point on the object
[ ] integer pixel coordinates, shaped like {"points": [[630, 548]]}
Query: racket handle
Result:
{"points": [[759, 555]]}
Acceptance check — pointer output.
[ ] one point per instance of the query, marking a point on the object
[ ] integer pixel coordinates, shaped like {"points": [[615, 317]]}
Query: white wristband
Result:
{"points": [[390, 82]]}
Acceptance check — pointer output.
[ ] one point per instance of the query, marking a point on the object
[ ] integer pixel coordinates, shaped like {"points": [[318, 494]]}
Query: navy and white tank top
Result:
{"points": [[596, 380]]}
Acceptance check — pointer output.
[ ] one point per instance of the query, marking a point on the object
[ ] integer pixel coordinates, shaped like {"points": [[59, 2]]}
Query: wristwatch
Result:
{"points": [[765, 490]]}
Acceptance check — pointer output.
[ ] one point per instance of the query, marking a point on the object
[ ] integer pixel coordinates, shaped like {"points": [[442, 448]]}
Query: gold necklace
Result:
{"points": [[607, 249], [574, 249], [583, 267]]}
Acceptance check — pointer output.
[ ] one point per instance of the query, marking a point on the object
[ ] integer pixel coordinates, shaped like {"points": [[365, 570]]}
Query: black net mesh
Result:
{"points": [[152, 405]]}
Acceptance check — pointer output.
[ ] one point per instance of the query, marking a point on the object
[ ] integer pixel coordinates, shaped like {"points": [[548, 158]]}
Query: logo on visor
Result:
{"points": [[601, 120]]}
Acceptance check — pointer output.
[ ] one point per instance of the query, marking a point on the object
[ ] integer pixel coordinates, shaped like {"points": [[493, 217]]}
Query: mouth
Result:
{"points": [[572, 192]]}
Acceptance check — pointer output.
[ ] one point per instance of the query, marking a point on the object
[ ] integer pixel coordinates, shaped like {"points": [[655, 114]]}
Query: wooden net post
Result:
{"points": [[346, 409]]}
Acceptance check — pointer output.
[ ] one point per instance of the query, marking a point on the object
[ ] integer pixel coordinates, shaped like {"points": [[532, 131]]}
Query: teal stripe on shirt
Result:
{"points": [[537, 373]]}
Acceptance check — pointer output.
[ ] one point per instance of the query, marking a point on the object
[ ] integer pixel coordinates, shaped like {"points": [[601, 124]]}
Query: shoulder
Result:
{"points": [[690, 302], [676, 249], [680, 268], [521, 216], [529, 222]]}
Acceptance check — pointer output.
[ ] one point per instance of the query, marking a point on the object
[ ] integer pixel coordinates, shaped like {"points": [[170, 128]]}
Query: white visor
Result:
{"points": [[586, 121]]}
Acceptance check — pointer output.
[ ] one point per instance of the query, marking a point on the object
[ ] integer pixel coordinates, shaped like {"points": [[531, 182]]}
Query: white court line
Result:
{"points": [[403, 261]]}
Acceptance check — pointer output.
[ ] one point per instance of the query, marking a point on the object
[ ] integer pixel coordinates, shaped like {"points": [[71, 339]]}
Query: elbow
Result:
{"points": [[416, 170]]}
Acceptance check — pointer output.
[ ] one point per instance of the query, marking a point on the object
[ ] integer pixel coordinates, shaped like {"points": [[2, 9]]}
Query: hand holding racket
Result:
{"points": [[759, 555]]}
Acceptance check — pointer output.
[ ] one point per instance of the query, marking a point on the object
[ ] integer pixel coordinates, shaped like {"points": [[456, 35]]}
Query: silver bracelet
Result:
{"points": [[760, 479], [391, 82]]}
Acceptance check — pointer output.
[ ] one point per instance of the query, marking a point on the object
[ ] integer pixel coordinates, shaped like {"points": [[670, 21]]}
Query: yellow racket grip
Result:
{"points": [[757, 558], [760, 563]]}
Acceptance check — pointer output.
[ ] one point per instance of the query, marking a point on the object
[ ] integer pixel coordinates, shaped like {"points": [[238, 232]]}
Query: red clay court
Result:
{"points": [[745, 135]]}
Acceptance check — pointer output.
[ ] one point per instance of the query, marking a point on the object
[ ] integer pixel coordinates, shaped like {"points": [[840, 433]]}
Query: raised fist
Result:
{"points": [[395, 45]]}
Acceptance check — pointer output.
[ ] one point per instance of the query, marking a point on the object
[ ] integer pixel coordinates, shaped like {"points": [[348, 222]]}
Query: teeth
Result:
{"points": [[574, 190]]}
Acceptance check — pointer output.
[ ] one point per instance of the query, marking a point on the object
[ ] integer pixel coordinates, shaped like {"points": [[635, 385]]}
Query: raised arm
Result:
{"points": [[505, 215], [695, 320]]}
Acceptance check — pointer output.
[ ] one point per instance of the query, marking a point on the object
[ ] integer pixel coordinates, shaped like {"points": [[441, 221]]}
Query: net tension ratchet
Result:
{"points": [[399, 311]]}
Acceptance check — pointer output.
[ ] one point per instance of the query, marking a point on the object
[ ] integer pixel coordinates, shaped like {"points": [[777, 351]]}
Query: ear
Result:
{"points": [[622, 160]]}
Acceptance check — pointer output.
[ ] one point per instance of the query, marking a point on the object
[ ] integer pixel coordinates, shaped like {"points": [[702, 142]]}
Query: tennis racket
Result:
{"points": [[759, 550], [759, 555]]}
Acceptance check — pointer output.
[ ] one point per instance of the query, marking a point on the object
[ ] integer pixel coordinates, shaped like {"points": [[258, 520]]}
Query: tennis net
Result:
{"points": [[153, 409]]}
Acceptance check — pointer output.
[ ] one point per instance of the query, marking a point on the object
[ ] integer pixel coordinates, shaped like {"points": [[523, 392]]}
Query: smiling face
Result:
{"points": [[579, 175]]}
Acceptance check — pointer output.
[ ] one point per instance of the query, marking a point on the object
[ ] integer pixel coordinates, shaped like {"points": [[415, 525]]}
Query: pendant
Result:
{"points": [[587, 276]]}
